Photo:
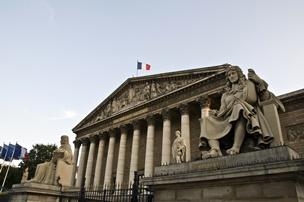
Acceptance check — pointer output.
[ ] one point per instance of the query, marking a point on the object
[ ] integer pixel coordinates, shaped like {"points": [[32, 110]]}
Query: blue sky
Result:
{"points": [[59, 59]]}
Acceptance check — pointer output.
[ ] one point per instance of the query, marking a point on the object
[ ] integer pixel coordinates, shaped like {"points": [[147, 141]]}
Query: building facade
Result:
{"points": [[134, 128]]}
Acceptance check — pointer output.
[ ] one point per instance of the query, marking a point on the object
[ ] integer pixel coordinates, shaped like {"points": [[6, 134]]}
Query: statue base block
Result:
{"points": [[34, 192], [275, 174]]}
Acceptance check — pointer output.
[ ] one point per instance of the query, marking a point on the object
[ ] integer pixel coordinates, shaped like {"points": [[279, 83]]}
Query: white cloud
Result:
{"points": [[66, 114]]}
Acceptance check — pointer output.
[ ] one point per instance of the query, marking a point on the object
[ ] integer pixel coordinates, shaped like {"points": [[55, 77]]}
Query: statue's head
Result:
{"points": [[177, 133], [234, 74], [64, 140]]}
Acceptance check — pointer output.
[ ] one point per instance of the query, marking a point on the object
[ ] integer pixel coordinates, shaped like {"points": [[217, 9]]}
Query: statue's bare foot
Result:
{"points": [[233, 151], [212, 153]]}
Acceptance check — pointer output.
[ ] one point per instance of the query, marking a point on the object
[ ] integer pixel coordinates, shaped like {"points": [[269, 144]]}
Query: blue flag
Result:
{"points": [[3, 151], [17, 152], [10, 152], [139, 65]]}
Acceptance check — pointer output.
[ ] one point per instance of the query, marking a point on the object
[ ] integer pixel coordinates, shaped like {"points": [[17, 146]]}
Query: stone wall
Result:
{"points": [[292, 121], [270, 191]]}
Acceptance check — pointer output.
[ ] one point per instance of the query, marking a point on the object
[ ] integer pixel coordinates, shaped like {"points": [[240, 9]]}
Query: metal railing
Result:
{"points": [[134, 193]]}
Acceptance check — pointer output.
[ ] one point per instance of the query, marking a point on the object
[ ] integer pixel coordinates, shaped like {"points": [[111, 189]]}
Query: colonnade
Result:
{"points": [[90, 169]]}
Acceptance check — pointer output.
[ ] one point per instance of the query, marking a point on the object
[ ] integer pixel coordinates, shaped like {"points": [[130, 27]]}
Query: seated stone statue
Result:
{"points": [[178, 148], [239, 115], [46, 172]]}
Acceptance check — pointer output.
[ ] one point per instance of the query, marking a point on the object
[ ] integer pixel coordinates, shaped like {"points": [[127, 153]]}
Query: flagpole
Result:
{"points": [[8, 169], [136, 69]]}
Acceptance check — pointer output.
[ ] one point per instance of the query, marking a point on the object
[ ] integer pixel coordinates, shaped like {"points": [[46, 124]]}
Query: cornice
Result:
{"points": [[292, 96]]}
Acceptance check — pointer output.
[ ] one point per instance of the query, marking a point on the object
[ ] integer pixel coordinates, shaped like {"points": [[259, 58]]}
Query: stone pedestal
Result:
{"points": [[272, 175], [34, 192]]}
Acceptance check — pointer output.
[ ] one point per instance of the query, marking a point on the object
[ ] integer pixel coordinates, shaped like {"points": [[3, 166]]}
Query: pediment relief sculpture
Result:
{"points": [[134, 94]]}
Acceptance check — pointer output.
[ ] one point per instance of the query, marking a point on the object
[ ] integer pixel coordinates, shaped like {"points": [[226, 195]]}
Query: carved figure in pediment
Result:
{"points": [[155, 89], [115, 105], [239, 115], [136, 97], [131, 94], [108, 110], [124, 100], [100, 116], [167, 86], [173, 86], [145, 93]]}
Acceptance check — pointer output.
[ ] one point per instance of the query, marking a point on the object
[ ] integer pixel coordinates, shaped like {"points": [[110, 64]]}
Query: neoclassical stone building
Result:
{"points": [[133, 128]]}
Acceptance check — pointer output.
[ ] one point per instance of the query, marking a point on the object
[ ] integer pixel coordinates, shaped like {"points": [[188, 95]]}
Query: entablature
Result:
{"points": [[207, 86]]}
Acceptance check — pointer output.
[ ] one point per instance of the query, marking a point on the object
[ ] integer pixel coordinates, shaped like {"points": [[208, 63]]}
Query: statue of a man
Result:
{"points": [[239, 114], [178, 148], [45, 172]]}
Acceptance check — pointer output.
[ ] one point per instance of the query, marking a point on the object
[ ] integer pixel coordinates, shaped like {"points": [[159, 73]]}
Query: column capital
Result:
{"points": [[123, 128], [204, 101], [93, 137], [150, 119], [101, 135], [85, 141], [112, 132], [136, 124], [77, 143], [166, 114], [184, 108]]}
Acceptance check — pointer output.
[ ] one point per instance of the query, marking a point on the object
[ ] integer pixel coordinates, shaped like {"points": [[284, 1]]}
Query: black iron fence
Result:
{"points": [[134, 193]]}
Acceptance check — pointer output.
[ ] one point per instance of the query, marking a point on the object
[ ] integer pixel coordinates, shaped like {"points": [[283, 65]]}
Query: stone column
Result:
{"points": [[77, 144], [110, 157], [88, 174], [149, 147], [82, 161], [134, 151], [121, 156], [205, 106], [185, 129], [99, 160], [166, 144]]}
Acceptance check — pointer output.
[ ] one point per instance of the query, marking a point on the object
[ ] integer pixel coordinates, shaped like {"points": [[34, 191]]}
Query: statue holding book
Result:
{"points": [[46, 172]]}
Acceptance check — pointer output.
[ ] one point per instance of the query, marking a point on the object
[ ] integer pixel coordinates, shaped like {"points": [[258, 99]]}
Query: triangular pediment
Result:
{"points": [[138, 90]]}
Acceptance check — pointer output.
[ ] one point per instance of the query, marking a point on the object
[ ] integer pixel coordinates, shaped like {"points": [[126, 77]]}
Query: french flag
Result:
{"points": [[141, 65]]}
